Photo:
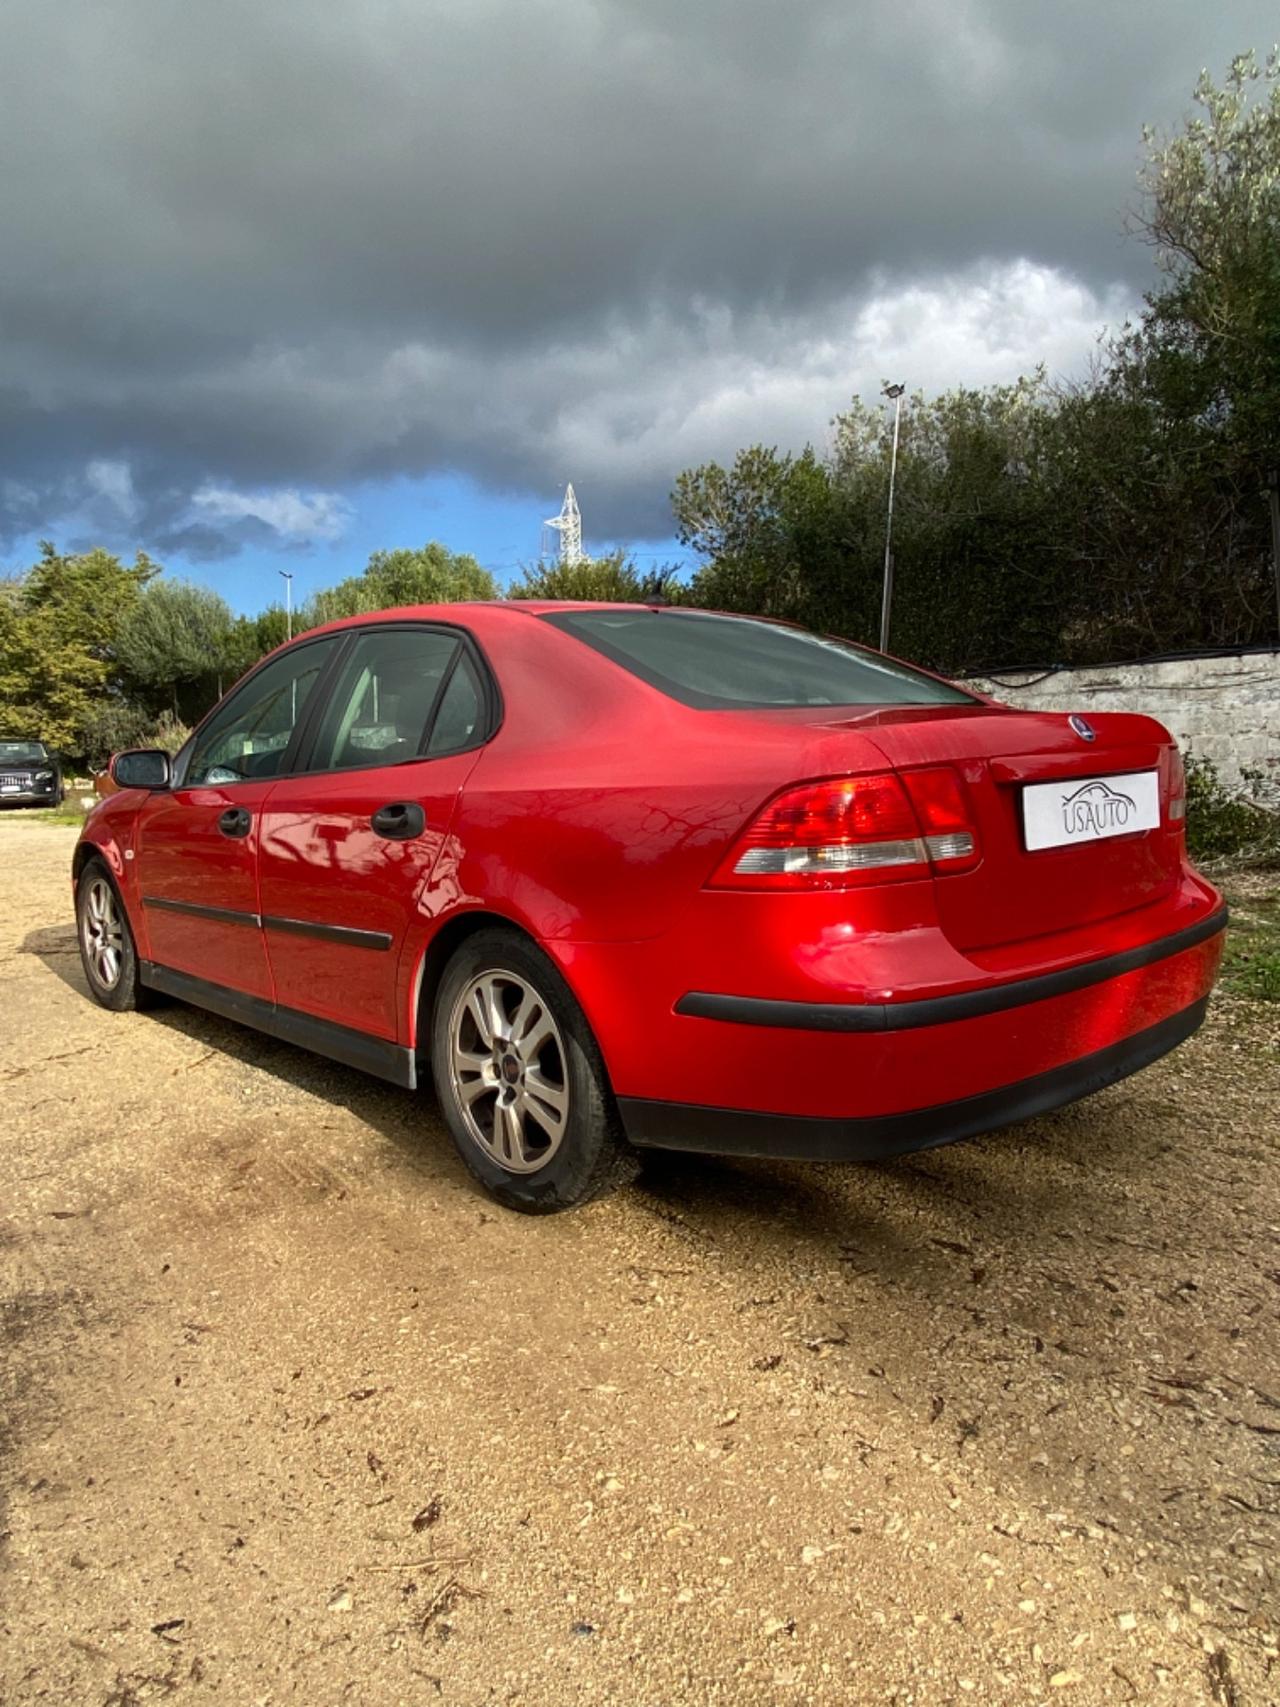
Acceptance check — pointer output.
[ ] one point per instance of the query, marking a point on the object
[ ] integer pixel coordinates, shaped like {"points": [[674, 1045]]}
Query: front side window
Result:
{"points": [[248, 736], [718, 663], [384, 701]]}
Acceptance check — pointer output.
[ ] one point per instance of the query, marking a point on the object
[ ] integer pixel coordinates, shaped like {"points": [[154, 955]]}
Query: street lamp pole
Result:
{"points": [[886, 597], [287, 578]]}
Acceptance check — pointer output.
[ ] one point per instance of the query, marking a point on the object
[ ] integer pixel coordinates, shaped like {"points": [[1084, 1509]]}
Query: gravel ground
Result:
{"points": [[290, 1413]]}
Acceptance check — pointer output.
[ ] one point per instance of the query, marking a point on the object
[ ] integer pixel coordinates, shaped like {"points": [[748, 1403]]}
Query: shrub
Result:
{"points": [[1222, 825], [1260, 978], [118, 724], [113, 725], [169, 732]]}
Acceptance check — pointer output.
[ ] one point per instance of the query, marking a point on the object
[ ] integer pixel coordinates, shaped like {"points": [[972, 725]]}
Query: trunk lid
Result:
{"points": [[1014, 894]]}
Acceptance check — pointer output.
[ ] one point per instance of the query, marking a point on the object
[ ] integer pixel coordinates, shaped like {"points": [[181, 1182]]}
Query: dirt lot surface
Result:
{"points": [[291, 1414]]}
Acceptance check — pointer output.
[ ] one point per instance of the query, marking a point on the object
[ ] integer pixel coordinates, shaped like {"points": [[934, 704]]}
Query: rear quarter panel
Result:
{"points": [[596, 816], [601, 807]]}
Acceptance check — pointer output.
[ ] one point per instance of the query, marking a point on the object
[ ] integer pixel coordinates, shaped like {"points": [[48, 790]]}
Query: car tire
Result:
{"points": [[108, 953], [520, 1079]]}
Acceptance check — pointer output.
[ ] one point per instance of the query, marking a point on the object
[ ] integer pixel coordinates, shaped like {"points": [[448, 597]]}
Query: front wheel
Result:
{"points": [[520, 1079], [107, 950]]}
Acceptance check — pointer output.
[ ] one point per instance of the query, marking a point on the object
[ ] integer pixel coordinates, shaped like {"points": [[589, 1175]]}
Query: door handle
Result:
{"points": [[235, 822], [399, 822]]}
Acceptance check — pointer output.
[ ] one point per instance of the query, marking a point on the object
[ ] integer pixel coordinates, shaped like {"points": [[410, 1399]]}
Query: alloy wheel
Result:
{"points": [[509, 1070], [102, 933]]}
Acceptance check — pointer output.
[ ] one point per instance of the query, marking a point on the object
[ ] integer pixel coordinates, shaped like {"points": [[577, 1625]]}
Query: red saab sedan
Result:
{"points": [[632, 876]]}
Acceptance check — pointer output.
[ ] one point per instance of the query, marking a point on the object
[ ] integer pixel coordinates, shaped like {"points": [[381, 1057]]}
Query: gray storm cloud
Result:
{"points": [[250, 247]]}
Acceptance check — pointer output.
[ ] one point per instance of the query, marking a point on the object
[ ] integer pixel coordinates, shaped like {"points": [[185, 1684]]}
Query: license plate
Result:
{"points": [[1089, 809], [9, 788]]}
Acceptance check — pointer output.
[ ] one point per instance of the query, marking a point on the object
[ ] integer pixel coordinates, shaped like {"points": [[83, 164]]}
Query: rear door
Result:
{"points": [[350, 839], [196, 845]]}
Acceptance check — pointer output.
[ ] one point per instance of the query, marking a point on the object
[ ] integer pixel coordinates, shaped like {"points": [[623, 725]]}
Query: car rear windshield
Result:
{"points": [[22, 753], [719, 662]]}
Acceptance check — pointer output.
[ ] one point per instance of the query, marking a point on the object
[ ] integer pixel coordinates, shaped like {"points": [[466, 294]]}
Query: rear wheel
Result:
{"points": [[107, 950], [520, 1079]]}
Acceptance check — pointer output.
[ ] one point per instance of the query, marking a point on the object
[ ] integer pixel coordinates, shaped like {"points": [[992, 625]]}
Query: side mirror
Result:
{"points": [[143, 767]]}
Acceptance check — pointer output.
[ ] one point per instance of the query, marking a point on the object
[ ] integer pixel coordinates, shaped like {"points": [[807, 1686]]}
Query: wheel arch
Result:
{"points": [[445, 944], [437, 955], [106, 851]]}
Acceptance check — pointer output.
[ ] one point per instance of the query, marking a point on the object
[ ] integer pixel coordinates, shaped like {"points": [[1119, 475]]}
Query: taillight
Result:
{"points": [[854, 829], [1177, 787], [949, 833]]}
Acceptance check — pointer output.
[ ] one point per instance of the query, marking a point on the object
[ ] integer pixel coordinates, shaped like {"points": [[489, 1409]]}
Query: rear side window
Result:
{"points": [[382, 705], [460, 712], [716, 663]]}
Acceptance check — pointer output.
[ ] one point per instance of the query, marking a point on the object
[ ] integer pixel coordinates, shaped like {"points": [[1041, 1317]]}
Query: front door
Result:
{"points": [[197, 843], [349, 841]]}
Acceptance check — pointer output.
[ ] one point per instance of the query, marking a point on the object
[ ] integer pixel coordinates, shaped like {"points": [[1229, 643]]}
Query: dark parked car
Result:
{"points": [[30, 775]]}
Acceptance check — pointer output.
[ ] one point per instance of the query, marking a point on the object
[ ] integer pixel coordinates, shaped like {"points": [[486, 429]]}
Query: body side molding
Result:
{"points": [[376, 1055], [348, 934], [197, 910]]}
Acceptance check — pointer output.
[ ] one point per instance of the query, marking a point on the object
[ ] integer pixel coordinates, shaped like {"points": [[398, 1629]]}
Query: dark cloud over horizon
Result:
{"points": [[253, 254]]}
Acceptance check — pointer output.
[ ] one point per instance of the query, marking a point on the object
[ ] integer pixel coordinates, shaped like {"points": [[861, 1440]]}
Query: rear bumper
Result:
{"points": [[945, 1010], [831, 1013], [737, 1132]]}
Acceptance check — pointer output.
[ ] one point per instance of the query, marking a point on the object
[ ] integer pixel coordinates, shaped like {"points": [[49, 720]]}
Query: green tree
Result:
{"points": [[769, 527], [613, 578], [88, 595], [174, 648], [252, 637], [1160, 543], [430, 575], [1210, 339], [59, 630], [977, 578], [978, 575], [1157, 464], [47, 684], [1196, 379]]}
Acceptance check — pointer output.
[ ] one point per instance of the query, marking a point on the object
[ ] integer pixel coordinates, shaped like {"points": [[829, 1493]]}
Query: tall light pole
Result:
{"points": [[886, 597], [287, 578]]}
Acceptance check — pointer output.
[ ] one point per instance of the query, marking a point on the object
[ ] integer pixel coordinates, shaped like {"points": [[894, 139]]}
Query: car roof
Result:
{"points": [[470, 609]]}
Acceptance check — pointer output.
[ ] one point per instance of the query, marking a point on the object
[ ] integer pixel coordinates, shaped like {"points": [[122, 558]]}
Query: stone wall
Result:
{"points": [[1225, 709]]}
